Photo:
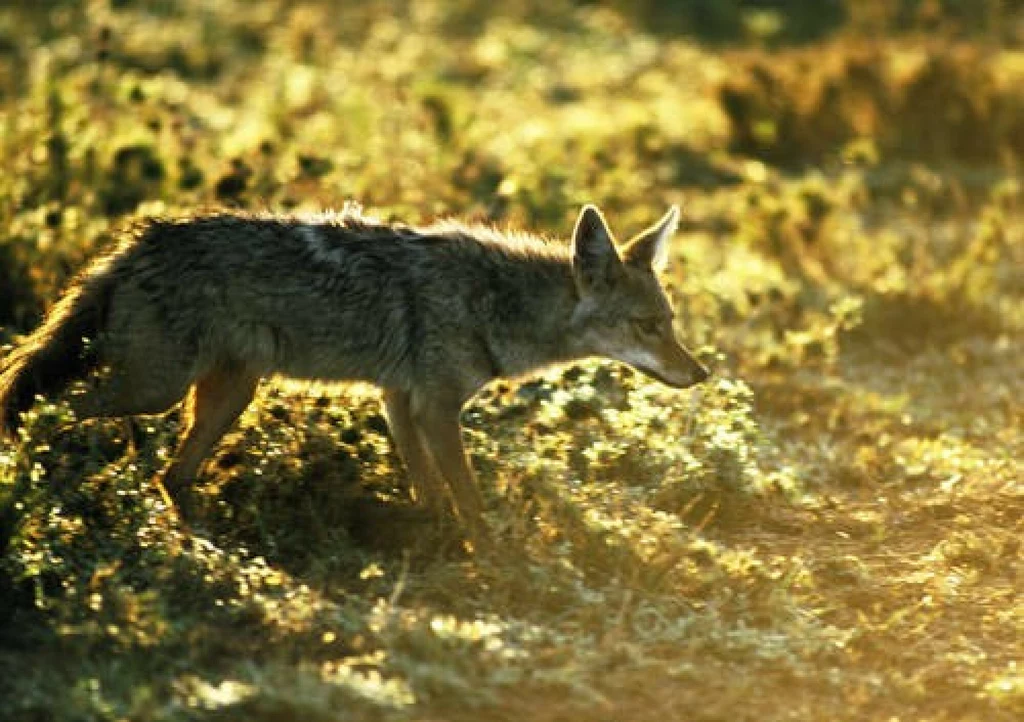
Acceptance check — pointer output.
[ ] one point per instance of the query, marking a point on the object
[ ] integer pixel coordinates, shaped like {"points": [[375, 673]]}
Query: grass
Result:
{"points": [[828, 529]]}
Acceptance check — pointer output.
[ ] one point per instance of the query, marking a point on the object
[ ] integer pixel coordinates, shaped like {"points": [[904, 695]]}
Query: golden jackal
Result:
{"points": [[207, 306]]}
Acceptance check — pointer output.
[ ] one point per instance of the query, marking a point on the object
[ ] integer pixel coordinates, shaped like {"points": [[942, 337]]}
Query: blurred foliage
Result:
{"points": [[828, 529], [935, 103], [775, 22]]}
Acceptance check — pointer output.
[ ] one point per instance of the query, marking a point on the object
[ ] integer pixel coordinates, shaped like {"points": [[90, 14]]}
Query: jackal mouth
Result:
{"points": [[698, 376]]}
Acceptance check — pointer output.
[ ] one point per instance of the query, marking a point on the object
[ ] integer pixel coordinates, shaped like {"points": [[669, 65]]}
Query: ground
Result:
{"points": [[829, 528]]}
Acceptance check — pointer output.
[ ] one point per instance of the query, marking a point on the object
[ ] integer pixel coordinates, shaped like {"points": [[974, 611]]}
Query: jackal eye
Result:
{"points": [[647, 326]]}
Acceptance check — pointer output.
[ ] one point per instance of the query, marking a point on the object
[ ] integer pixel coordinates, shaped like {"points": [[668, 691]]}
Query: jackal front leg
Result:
{"points": [[439, 427], [427, 488]]}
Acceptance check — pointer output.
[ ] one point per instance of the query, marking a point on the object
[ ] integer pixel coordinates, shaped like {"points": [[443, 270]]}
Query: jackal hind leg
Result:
{"points": [[427, 488], [214, 404], [128, 394], [141, 371]]}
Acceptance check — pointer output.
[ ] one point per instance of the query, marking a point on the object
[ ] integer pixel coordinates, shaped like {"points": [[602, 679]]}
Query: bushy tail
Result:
{"points": [[57, 352]]}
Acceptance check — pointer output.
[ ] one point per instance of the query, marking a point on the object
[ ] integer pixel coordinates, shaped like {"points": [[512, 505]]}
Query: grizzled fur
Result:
{"points": [[215, 302]]}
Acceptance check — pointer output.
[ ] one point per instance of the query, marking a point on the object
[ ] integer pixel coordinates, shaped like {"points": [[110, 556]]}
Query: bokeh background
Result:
{"points": [[828, 529]]}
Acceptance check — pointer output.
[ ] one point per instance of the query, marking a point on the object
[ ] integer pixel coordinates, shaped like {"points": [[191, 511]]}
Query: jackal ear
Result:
{"points": [[650, 248], [595, 260]]}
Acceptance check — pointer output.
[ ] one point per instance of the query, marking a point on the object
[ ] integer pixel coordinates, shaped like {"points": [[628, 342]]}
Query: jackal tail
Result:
{"points": [[57, 352]]}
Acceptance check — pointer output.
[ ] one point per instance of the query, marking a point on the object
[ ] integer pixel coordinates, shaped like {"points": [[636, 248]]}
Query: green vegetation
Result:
{"points": [[829, 529]]}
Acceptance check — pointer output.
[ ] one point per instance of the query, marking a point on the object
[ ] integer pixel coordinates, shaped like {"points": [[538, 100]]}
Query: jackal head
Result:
{"points": [[623, 312]]}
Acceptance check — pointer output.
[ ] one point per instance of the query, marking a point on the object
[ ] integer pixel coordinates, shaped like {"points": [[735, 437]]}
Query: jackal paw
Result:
{"points": [[179, 499]]}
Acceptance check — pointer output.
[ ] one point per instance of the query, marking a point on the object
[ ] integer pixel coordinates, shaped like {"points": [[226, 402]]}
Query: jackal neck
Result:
{"points": [[526, 313]]}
